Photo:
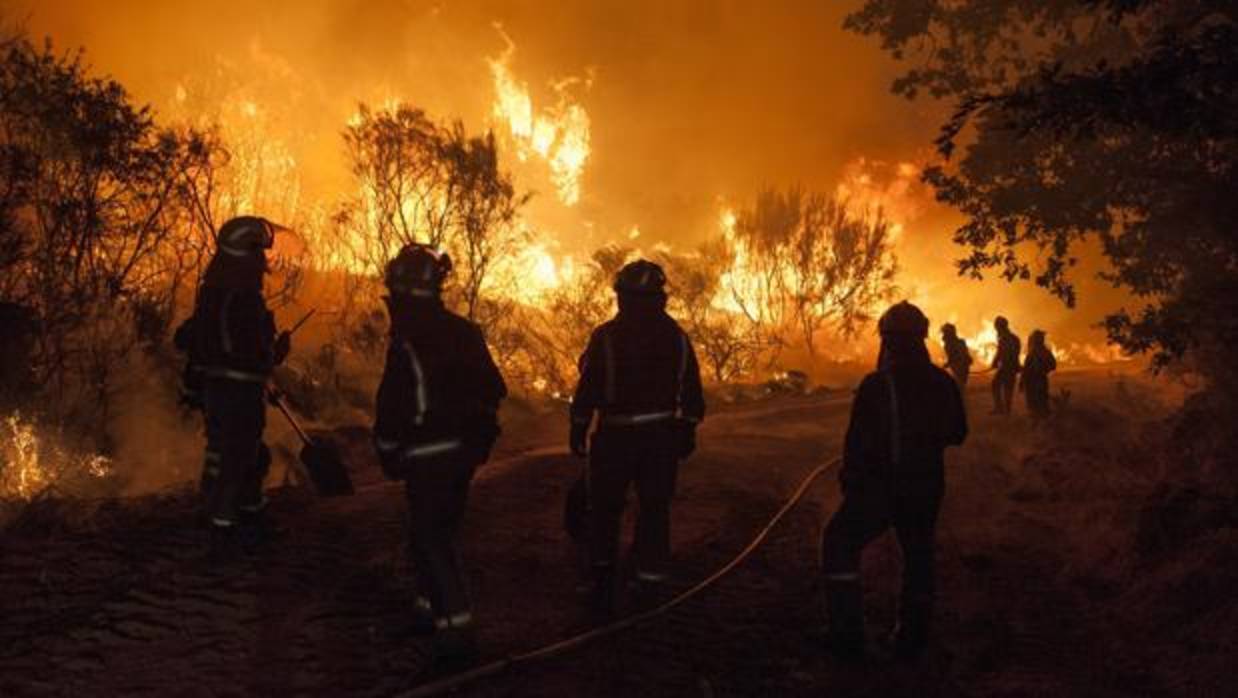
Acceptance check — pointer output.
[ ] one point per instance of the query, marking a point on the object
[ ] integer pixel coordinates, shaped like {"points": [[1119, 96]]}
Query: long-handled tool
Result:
{"points": [[304, 318], [320, 457]]}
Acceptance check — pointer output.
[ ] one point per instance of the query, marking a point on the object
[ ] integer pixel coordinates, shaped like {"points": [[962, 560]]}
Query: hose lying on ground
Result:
{"points": [[563, 646]]}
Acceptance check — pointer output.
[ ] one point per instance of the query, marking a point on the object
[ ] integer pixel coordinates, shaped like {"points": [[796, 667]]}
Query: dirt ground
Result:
{"points": [[120, 599]]}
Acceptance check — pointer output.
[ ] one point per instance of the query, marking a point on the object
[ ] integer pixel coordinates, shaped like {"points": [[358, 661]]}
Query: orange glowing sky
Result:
{"points": [[692, 107]]}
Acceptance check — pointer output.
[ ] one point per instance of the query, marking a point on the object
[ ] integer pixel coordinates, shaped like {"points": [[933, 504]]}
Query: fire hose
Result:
{"points": [[564, 646]]}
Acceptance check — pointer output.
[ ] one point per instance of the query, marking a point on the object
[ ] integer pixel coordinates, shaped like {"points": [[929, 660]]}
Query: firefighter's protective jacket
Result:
{"points": [[957, 355], [440, 389], [233, 332], [639, 368], [902, 420]]}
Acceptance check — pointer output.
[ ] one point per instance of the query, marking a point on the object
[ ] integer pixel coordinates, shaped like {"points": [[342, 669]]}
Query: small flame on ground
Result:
{"points": [[29, 464]]}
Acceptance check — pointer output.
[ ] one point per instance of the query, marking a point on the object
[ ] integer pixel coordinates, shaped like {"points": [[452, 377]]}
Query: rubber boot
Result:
{"points": [[454, 644], [418, 623], [258, 528], [844, 606]]}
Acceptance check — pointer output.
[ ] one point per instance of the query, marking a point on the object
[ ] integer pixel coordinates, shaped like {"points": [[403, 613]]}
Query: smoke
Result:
{"points": [[158, 443]]}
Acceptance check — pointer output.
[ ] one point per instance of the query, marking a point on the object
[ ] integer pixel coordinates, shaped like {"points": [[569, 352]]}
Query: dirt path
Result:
{"points": [[126, 604]]}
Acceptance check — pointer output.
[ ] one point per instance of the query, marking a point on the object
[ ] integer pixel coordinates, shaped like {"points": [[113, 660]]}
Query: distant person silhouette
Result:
{"points": [[904, 416], [1005, 365], [958, 356], [1036, 369]]}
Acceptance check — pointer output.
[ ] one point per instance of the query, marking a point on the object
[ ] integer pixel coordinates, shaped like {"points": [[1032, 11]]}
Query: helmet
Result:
{"points": [[418, 270], [903, 319], [642, 278], [949, 329], [1001, 322], [245, 235]]}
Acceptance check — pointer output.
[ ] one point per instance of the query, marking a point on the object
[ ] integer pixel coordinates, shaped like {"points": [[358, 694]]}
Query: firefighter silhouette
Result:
{"points": [[958, 356], [233, 347], [1005, 366], [1034, 382], [904, 416], [639, 375], [436, 421]]}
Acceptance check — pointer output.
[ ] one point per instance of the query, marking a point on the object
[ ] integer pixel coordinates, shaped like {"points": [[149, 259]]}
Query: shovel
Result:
{"points": [[320, 457]]}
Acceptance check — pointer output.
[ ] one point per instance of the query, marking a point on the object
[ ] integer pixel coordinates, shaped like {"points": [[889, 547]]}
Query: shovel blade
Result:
{"points": [[326, 468]]}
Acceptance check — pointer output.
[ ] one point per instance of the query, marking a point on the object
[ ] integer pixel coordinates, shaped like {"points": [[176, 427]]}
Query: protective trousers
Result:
{"points": [[865, 514], [438, 491], [1003, 391], [237, 460], [619, 457]]}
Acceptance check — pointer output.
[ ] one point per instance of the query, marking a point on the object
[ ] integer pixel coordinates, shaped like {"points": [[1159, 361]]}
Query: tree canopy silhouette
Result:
{"points": [[1076, 120]]}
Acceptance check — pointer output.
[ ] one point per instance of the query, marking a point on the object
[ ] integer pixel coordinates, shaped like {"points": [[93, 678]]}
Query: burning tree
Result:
{"points": [[406, 185], [804, 262], [420, 182], [729, 345], [485, 226]]}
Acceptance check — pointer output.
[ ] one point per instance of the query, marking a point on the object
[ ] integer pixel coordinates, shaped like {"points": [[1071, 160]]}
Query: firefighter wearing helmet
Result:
{"points": [[904, 416], [639, 377], [233, 347], [958, 356], [1005, 366], [436, 421]]}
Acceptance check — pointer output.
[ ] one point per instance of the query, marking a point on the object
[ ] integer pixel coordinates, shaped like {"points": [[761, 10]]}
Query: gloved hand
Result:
{"points": [[578, 440], [283, 345]]}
